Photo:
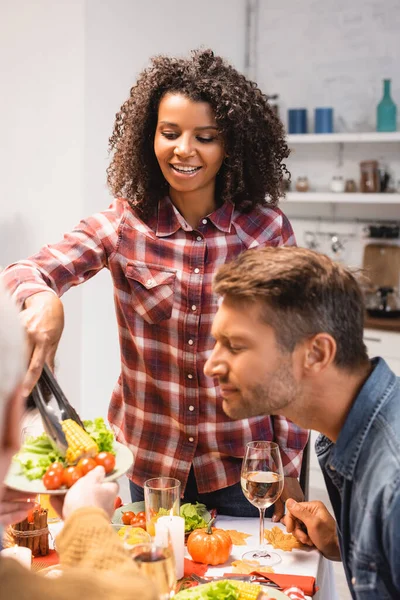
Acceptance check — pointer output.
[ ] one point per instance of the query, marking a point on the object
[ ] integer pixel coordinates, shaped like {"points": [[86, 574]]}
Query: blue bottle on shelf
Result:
{"points": [[386, 112]]}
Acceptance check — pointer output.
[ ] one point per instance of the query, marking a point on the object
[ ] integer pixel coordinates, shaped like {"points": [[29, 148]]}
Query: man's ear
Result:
{"points": [[320, 353], [11, 434]]}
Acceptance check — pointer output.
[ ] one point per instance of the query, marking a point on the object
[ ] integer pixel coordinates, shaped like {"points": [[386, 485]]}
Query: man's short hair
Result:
{"points": [[301, 293], [12, 350]]}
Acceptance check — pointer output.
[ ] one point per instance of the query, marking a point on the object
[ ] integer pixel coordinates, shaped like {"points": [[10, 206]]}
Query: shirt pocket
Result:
{"points": [[152, 290]]}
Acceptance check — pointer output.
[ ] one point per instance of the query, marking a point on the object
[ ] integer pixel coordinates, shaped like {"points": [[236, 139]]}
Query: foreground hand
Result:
{"points": [[87, 491], [43, 319], [15, 506], [312, 524], [291, 489]]}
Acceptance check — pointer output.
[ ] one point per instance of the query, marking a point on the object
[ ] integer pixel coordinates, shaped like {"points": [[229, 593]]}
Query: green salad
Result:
{"points": [[216, 590], [37, 453]]}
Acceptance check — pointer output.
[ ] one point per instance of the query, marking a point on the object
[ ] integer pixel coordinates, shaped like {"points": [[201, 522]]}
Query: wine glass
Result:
{"points": [[158, 564], [262, 483]]}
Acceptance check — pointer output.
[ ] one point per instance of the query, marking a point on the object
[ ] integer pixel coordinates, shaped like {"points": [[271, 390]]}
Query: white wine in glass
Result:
{"points": [[262, 483]]}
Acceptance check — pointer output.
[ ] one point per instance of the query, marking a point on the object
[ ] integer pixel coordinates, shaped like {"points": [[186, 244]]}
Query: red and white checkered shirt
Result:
{"points": [[163, 406]]}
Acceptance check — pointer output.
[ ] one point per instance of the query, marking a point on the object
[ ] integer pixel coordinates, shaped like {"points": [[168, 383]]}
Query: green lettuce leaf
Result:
{"points": [[104, 438], [196, 516], [216, 590], [36, 455]]}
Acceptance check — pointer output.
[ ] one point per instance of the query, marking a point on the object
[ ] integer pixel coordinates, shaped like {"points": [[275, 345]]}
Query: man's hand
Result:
{"points": [[312, 524], [14, 506], [87, 491], [291, 489]]}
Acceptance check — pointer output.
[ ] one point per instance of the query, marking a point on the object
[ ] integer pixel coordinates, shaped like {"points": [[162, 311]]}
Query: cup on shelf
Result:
{"points": [[297, 120], [323, 120], [337, 184]]}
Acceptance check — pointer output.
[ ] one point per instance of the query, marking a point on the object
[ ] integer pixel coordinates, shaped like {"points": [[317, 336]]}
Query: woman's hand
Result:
{"points": [[43, 319]]}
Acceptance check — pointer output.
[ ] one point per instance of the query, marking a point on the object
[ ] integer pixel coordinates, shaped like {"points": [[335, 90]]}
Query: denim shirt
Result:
{"points": [[362, 475]]}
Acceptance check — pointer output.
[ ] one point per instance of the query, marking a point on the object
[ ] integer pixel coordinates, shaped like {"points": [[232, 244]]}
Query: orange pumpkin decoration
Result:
{"points": [[209, 546]]}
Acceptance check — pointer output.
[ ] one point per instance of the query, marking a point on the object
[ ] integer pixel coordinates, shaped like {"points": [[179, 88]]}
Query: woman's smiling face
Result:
{"points": [[187, 144]]}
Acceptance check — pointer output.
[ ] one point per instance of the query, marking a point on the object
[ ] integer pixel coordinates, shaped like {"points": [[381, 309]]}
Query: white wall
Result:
{"points": [[42, 142]]}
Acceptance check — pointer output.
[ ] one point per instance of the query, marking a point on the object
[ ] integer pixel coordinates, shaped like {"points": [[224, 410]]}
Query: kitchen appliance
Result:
{"points": [[381, 264], [383, 303]]}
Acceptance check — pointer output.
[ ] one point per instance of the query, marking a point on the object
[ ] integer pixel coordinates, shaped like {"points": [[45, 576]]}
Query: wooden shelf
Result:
{"points": [[342, 198], [341, 138]]}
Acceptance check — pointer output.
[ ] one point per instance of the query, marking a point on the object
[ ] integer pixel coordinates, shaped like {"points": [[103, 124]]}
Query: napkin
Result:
{"points": [[193, 567], [304, 582], [42, 562]]}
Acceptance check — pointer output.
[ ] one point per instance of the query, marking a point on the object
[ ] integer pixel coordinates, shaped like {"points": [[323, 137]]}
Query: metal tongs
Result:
{"points": [[50, 417]]}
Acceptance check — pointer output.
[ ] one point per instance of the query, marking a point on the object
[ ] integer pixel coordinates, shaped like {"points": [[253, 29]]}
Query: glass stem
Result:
{"points": [[262, 512]]}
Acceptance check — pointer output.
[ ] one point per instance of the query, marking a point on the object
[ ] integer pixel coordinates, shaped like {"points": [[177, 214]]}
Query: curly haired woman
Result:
{"points": [[196, 172]]}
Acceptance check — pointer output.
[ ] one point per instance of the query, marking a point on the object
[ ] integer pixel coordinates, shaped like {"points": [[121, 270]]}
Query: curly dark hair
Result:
{"points": [[254, 137]]}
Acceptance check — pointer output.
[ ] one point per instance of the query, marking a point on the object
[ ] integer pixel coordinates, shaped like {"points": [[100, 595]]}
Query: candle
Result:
{"points": [[22, 555], [174, 528]]}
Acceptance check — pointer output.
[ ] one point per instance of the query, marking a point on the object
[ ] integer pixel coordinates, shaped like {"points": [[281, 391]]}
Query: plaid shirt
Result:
{"points": [[163, 406]]}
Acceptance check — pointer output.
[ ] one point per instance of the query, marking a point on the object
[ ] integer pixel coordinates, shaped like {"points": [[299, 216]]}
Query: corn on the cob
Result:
{"points": [[80, 444], [248, 591]]}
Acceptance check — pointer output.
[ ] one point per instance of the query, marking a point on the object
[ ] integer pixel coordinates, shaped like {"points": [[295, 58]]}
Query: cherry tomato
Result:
{"points": [[56, 466], [52, 480], [117, 502], [106, 460], [86, 465], [71, 476], [141, 515], [138, 522], [127, 517]]}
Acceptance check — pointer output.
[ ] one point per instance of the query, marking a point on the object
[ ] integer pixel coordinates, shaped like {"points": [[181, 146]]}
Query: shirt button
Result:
{"points": [[190, 376], [332, 468], [199, 238], [191, 439], [353, 581], [194, 307], [150, 282], [204, 221], [197, 270], [191, 408], [190, 342]]}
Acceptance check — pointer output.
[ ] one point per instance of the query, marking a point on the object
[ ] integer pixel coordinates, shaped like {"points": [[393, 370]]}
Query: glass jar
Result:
{"points": [[337, 184], [369, 180], [350, 186], [302, 184]]}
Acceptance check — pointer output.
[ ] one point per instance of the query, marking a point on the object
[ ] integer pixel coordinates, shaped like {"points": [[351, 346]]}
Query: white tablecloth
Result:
{"points": [[297, 562]]}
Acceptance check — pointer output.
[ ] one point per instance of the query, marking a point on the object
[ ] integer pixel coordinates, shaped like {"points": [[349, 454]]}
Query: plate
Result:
{"points": [[16, 481], [133, 506], [270, 592]]}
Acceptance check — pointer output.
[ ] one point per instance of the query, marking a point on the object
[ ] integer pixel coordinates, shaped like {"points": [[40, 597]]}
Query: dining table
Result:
{"points": [[305, 561]]}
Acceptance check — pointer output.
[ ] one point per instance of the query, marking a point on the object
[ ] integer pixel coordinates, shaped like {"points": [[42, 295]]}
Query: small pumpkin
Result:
{"points": [[209, 546]]}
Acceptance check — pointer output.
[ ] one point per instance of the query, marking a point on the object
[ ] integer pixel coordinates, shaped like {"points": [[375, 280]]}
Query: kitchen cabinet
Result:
{"points": [[385, 344]]}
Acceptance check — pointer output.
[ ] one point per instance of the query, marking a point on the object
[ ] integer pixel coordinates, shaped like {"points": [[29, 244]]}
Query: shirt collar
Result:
{"points": [[170, 220], [373, 395]]}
